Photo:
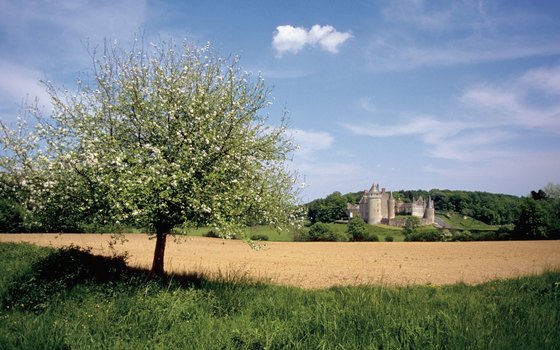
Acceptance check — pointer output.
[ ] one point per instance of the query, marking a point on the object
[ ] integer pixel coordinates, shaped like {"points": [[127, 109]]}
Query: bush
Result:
{"points": [[11, 216], [411, 225], [371, 238], [259, 237], [424, 236], [446, 235], [301, 235], [389, 239], [357, 230], [462, 236], [504, 233], [322, 232], [58, 273], [214, 234]]}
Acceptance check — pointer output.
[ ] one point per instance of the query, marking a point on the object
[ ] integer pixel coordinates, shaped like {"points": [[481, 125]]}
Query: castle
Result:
{"points": [[377, 207]]}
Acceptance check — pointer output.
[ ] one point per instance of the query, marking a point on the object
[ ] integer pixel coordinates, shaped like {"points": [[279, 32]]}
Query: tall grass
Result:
{"points": [[105, 305]]}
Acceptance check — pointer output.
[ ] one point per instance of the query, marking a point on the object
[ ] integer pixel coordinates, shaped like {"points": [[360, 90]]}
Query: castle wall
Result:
{"points": [[391, 208], [417, 210]]}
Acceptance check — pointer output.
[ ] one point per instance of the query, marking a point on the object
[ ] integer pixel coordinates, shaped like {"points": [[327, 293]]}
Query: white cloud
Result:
{"points": [[367, 105], [45, 40], [310, 142], [477, 145], [290, 39], [527, 101], [418, 34], [429, 128], [491, 123], [544, 79], [19, 85], [323, 178], [94, 19], [18, 81], [517, 173], [402, 53]]}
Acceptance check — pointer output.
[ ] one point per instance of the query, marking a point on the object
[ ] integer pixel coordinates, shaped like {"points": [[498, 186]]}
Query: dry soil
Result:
{"points": [[322, 264]]}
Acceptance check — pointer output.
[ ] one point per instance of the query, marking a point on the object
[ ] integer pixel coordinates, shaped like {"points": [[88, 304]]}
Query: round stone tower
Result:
{"points": [[430, 213], [374, 205]]}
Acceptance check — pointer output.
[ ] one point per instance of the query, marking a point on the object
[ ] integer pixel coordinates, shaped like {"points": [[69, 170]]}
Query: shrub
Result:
{"points": [[504, 233], [446, 235], [58, 273], [214, 234], [301, 235], [389, 239], [424, 236], [411, 225], [371, 237], [322, 232], [259, 237], [462, 236], [11, 216], [357, 230]]}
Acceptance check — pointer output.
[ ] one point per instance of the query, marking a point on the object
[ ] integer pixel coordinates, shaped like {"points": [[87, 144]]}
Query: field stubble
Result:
{"points": [[326, 264]]}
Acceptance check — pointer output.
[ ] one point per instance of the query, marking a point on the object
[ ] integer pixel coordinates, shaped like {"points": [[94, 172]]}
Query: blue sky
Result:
{"points": [[411, 94]]}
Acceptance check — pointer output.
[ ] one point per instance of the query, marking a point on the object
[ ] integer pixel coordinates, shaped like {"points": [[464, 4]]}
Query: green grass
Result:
{"points": [[68, 299], [381, 231], [465, 222]]}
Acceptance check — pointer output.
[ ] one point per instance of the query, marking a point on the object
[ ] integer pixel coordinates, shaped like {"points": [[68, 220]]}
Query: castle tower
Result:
{"points": [[430, 213], [374, 205], [391, 207], [364, 211]]}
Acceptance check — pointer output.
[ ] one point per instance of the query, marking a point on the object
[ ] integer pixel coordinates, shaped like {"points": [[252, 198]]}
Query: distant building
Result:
{"points": [[378, 206]]}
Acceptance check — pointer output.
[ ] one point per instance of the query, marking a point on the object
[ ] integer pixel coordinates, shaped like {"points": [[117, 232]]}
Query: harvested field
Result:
{"points": [[325, 264]]}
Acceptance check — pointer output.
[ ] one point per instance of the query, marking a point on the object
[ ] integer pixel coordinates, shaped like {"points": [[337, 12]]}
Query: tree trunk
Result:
{"points": [[159, 252]]}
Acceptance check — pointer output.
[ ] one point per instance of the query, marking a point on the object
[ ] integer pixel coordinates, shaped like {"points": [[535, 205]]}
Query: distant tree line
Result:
{"points": [[490, 208]]}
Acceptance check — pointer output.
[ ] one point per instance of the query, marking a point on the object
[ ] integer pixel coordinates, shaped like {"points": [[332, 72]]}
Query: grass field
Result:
{"points": [[69, 299], [465, 223]]}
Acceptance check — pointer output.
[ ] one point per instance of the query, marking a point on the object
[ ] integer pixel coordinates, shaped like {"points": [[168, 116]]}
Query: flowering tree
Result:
{"points": [[160, 136]]}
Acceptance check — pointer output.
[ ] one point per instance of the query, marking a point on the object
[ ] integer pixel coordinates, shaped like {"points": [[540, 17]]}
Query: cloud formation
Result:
{"points": [[529, 101], [289, 39], [491, 119], [309, 142], [419, 35]]}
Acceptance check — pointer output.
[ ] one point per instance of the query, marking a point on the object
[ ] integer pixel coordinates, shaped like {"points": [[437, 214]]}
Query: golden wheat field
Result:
{"points": [[325, 264]]}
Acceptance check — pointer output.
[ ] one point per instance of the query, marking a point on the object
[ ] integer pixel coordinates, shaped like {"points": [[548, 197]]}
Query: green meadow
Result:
{"points": [[69, 299]]}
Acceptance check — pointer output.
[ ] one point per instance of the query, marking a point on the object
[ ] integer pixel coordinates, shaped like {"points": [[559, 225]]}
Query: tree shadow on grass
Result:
{"points": [[55, 275]]}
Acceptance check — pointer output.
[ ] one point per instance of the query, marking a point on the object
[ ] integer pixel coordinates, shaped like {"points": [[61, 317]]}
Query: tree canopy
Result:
{"points": [[157, 136]]}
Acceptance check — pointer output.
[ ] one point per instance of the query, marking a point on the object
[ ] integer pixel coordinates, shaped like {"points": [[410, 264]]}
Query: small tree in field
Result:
{"points": [[411, 225], [157, 137], [357, 229]]}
